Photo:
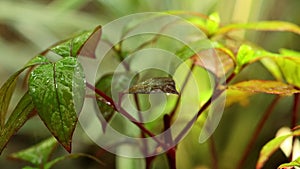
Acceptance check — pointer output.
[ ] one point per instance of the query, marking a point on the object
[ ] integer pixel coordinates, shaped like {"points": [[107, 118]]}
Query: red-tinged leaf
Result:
{"points": [[89, 47], [237, 96], [21, 113], [264, 86], [271, 147], [84, 44], [262, 26], [290, 165], [216, 62], [8, 87], [58, 91], [38, 154]]}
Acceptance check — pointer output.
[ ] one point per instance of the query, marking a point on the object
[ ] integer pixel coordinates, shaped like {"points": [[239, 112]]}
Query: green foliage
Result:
{"points": [[38, 154], [271, 147], [295, 163], [15, 121], [57, 89]]}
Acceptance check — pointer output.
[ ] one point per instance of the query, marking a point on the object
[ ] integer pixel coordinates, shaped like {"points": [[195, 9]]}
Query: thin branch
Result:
{"points": [[126, 114], [256, 133], [171, 153], [213, 152], [181, 91], [294, 118], [202, 109]]}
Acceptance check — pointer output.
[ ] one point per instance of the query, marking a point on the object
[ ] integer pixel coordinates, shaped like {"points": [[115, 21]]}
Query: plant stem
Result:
{"points": [[181, 91], [256, 132], [202, 109], [145, 143], [213, 152], [294, 118], [171, 153], [295, 110], [126, 114]]}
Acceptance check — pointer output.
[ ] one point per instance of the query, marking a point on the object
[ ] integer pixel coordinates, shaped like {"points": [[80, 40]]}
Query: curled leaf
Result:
{"points": [[155, 85]]}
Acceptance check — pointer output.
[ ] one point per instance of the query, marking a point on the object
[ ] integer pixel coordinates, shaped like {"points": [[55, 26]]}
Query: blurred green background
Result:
{"points": [[27, 27]]}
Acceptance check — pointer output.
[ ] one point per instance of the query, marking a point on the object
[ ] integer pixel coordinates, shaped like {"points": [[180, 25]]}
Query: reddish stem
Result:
{"points": [[257, 131], [126, 114], [202, 109], [181, 91], [171, 153], [213, 152], [294, 118]]}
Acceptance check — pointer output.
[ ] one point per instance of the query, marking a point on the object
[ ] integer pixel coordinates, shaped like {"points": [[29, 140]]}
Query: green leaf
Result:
{"points": [[6, 92], [271, 147], [72, 47], [38, 154], [50, 164], [245, 55], [288, 52], [290, 68], [264, 86], [155, 85], [212, 23], [295, 163], [272, 67], [21, 113], [28, 167], [8, 87], [58, 91], [262, 26]]}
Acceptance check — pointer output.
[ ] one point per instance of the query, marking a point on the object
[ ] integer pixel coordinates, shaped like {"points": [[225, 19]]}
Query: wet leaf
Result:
{"points": [[18, 117], [8, 87], [155, 85], [264, 86], [271, 147], [295, 163], [262, 26], [38, 154], [84, 44], [58, 91]]}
